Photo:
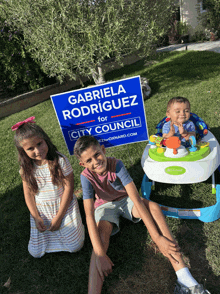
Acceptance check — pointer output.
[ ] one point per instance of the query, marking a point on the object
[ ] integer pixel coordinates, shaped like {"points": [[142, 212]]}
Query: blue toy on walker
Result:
{"points": [[176, 164]]}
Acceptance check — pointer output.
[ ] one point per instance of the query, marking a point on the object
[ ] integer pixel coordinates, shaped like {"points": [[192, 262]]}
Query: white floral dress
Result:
{"points": [[70, 236]]}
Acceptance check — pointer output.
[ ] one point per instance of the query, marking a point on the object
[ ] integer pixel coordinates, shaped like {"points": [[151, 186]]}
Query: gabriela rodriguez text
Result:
{"points": [[104, 100]]}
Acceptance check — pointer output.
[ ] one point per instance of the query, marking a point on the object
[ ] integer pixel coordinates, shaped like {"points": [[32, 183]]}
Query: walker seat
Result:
{"points": [[175, 164]]}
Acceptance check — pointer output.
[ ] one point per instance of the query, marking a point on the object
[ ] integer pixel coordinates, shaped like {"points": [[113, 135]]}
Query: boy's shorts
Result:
{"points": [[111, 211]]}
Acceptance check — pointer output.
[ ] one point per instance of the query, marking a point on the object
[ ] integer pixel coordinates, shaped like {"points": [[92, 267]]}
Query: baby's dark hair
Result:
{"points": [[27, 131], [84, 143], [177, 99]]}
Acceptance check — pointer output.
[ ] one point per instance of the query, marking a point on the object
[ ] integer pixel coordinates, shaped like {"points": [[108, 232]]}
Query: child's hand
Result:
{"points": [[40, 224], [55, 224], [181, 129], [172, 129], [104, 265], [168, 248]]}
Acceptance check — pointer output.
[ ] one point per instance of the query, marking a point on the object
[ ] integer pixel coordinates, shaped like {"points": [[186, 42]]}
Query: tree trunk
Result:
{"points": [[98, 75]]}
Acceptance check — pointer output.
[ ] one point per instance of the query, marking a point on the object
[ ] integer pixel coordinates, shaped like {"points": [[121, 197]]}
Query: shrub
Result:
{"points": [[74, 38], [200, 34], [211, 18], [18, 71]]}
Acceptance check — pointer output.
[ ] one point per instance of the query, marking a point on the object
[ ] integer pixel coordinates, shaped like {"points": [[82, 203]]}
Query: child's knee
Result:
{"points": [[153, 206], [150, 204], [36, 253], [77, 244]]}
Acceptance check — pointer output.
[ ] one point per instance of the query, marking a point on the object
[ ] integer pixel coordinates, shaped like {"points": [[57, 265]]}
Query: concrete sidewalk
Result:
{"points": [[206, 46]]}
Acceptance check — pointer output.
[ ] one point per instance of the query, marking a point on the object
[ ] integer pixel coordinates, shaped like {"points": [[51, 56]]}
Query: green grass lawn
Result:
{"points": [[139, 268]]}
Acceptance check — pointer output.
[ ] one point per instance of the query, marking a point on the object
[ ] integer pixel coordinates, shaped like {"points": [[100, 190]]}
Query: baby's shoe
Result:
{"points": [[198, 289]]}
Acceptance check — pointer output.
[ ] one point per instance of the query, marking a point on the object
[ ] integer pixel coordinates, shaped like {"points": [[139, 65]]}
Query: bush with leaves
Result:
{"points": [[18, 71], [73, 38], [211, 18]]}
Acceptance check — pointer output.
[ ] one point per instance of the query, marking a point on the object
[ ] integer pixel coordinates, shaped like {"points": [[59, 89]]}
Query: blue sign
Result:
{"points": [[113, 113]]}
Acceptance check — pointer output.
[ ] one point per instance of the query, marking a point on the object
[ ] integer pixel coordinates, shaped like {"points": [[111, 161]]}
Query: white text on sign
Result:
{"points": [[100, 106], [106, 128]]}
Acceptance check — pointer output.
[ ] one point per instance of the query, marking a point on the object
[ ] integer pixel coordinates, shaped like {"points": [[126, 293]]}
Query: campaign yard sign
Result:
{"points": [[113, 113]]}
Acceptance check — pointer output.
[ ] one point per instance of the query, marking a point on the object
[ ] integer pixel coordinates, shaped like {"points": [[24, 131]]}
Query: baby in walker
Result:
{"points": [[178, 123]]}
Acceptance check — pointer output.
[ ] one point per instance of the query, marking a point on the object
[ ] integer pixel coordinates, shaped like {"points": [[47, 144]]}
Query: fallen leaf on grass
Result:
{"points": [[8, 283]]}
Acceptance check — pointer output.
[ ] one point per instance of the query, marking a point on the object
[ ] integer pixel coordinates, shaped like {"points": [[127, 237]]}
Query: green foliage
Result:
{"points": [[72, 38], [200, 34], [18, 72], [182, 28], [177, 30], [211, 18]]}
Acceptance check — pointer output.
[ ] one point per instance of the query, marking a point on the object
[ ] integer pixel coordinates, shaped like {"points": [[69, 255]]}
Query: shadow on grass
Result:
{"points": [[54, 273], [182, 68], [216, 133], [149, 269], [193, 243], [187, 68], [138, 268], [60, 272], [138, 265], [68, 273]]}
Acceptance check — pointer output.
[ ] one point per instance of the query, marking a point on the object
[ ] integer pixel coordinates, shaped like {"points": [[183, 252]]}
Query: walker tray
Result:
{"points": [[194, 167]]}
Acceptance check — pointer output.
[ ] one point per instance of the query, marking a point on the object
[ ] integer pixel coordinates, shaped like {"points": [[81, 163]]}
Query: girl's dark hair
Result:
{"points": [[29, 130], [84, 143], [177, 99]]}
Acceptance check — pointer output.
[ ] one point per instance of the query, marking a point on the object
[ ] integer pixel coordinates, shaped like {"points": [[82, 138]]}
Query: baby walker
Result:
{"points": [[167, 161]]}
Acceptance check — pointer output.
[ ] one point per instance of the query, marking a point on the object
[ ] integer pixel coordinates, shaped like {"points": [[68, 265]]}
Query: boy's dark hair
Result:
{"points": [[84, 143], [177, 99]]}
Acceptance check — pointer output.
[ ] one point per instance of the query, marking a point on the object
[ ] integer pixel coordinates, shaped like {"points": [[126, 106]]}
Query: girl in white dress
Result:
{"points": [[48, 184]]}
